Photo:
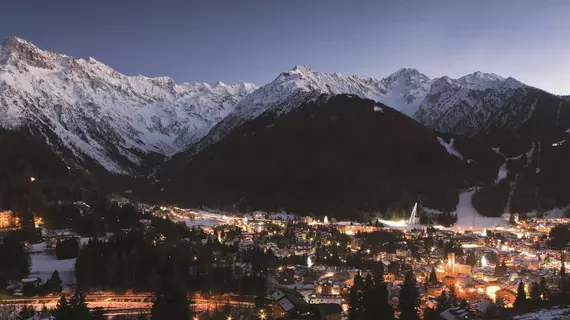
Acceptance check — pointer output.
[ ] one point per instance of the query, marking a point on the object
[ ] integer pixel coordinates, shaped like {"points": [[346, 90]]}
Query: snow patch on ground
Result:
{"points": [[199, 223], [450, 147], [378, 109], [547, 314], [466, 214], [43, 265], [432, 212], [502, 174], [282, 216]]}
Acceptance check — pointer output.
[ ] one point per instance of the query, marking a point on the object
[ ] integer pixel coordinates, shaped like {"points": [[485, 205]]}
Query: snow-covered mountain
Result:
{"points": [[445, 104], [475, 103], [92, 110], [404, 90], [96, 113]]}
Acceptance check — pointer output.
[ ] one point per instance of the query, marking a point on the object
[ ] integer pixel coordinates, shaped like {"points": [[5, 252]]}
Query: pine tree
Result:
{"points": [[355, 299], [98, 314], [500, 269], [53, 284], [170, 302], [382, 308], [78, 306], [431, 314], [44, 312], [27, 312], [535, 294], [62, 310], [453, 300], [464, 304], [544, 291], [442, 303], [409, 296], [520, 301], [432, 276], [368, 298]]}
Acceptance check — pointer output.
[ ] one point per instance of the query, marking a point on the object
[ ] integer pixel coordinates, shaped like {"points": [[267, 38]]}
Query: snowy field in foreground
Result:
{"points": [[465, 213], [549, 314], [43, 265]]}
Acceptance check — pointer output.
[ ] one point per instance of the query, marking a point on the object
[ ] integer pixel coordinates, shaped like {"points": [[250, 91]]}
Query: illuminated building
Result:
{"points": [[451, 263], [8, 221]]}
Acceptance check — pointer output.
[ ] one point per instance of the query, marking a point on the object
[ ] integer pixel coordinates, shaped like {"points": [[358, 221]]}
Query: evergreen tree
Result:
{"points": [[53, 284], [369, 298], [432, 276], [520, 301], [44, 312], [260, 294], [453, 300], [535, 294], [27, 219], [381, 308], [78, 306], [442, 303], [98, 314], [14, 260], [27, 312], [170, 302], [544, 291], [558, 239], [500, 269], [62, 310], [409, 296], [431, 314], [355, 310], [464, 304]]}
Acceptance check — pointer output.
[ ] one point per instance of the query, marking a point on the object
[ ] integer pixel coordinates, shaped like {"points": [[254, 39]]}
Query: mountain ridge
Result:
{"points": [[90, 105], [118, 120]]}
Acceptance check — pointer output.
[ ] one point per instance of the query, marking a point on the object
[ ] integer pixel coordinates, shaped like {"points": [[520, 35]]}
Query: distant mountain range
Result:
{"points": [[198, 137]]}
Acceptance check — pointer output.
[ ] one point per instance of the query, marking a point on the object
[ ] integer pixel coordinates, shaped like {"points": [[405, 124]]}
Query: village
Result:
{"points": [[317, 262]]}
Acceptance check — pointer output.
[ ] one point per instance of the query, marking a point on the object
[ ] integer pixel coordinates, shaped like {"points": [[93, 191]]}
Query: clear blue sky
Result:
{"points": [[253, 41]]}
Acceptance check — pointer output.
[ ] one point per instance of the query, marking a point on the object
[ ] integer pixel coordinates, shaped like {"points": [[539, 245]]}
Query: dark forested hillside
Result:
{"points": [[23, 160], [539, 156], [339, 156], [33, 177]]}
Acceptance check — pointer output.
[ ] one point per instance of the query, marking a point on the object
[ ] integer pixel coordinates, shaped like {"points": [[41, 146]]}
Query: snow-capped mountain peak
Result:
{"points": [[97, 112], [406, 89], [15, 49], [481, 80]]}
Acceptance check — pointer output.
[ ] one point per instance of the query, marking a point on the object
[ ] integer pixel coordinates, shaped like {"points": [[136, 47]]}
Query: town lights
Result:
{"points": [[32, 179]]}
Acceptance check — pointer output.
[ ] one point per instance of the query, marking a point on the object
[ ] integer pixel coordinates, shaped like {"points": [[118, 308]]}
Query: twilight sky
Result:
{"points": [[253, 41]]}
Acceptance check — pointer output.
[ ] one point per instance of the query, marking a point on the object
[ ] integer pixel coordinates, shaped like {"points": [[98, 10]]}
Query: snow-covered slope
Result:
{"points": [[475, 103], [84, 106], [97, 112], [445, 104], [404, 91]]}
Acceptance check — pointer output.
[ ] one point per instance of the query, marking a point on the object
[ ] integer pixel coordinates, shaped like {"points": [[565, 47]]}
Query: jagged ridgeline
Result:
{"points": [[124, 132]]}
